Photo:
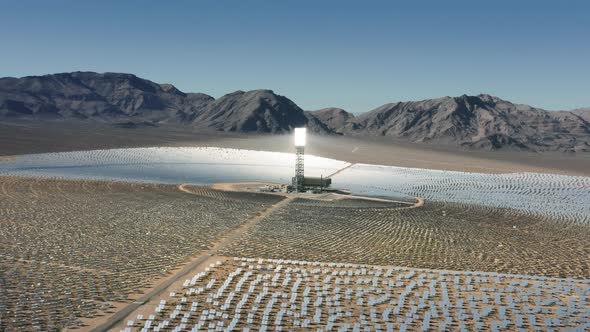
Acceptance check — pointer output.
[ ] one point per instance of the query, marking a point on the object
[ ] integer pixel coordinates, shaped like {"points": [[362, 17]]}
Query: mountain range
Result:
{"points": [[125, 100]]}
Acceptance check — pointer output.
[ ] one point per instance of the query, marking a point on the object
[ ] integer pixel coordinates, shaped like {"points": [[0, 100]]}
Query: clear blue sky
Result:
{"points": [[354, 55]]}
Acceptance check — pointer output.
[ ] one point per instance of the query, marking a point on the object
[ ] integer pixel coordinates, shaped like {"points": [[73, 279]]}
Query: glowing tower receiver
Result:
{"points": [[300, 136], [299, 178]]}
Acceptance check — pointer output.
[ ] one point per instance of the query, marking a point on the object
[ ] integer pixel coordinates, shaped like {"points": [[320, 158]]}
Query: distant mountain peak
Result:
{"points": [[584, 113], [482, 122], [258, 93], [171, 89], [477, 122], [251, 111], [261, 92], [335, 119]]}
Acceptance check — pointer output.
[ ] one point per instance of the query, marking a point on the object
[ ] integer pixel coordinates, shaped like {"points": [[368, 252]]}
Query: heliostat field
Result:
{"points": [[437, 251]]}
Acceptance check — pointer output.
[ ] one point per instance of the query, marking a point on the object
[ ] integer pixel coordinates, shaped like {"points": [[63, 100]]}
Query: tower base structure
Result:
{"points": [[299, 178]]}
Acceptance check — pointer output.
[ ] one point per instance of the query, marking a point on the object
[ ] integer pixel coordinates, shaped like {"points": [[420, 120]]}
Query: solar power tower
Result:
{"points": [[299, 179]]}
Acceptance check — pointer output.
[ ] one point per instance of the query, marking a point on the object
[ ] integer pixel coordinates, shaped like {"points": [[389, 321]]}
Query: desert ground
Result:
{"points": [[90, 255], [86, 254]]}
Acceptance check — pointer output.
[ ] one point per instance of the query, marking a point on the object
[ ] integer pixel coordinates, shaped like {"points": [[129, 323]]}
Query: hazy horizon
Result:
{"points": [[331, 54]]}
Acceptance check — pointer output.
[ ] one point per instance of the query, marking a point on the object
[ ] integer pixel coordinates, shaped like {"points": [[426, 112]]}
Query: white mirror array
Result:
{"points": [[198, 165], [249, 294], [437, 236], [70, 249], [520, 223], [557, 196]]}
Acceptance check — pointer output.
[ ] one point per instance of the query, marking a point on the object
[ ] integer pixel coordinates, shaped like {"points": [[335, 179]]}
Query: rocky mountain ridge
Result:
{"points": [[126, 101]]}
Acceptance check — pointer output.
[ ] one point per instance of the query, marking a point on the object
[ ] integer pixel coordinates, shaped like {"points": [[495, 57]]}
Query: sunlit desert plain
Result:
{"points": [[142, 239]]}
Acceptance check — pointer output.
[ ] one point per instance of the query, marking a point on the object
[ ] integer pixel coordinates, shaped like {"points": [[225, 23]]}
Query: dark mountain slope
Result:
{"points": [[481, 121], [105, 97], [584, 113], [336, 119], [127, 101], [252, 111]]}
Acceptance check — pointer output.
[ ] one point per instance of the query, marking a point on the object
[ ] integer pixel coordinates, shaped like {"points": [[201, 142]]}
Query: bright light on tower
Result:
{"points": [[300, 136]]}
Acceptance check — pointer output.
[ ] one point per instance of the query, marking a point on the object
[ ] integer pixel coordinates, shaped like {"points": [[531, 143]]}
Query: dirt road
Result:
{"points": [[195, 263]]}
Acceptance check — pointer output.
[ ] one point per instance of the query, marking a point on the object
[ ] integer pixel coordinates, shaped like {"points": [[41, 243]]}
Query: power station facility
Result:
{"points": [[300, 182]]}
